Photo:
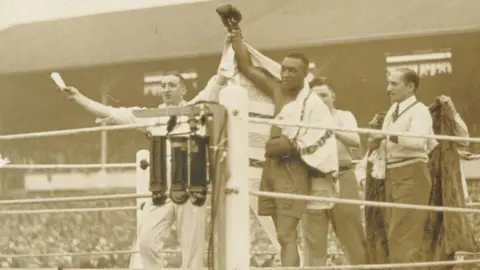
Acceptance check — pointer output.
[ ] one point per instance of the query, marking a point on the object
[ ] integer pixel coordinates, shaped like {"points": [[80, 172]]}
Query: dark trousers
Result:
{"points": [[408, 184]]}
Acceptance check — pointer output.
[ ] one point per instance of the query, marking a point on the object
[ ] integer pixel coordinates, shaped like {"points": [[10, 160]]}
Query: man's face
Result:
{"points": [[173, 90], [325, 94], [397, 89], [293, 73]]}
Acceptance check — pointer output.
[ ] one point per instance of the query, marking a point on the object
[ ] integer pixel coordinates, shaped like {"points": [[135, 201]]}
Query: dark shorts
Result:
{"points": [[286, 176]]}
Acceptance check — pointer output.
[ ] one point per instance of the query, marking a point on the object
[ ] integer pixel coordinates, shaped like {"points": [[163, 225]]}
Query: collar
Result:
{"points": [[181, 104], [407, 102]]}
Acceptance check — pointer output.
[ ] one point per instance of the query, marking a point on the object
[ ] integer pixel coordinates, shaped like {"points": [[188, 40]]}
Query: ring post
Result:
{"points": [[142, 185], [237, 200]]}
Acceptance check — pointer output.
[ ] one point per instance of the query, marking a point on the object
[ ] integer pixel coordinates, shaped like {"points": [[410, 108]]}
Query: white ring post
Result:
{"points": [[142, 182], [237, 203]]}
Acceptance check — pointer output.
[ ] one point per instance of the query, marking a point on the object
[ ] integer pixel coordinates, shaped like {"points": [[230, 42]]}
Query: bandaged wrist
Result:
{"points": [[236, 32], [295, 146]]}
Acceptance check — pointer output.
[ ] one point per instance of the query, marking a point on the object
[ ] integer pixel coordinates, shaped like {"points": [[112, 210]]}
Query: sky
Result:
{"points": [[21, 11]]}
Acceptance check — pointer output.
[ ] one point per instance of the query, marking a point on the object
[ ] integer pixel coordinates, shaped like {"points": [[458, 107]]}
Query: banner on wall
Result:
{"points": [[425, 64]]}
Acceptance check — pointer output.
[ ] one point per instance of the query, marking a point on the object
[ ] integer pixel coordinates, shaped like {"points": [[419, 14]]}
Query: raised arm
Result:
{"points": [[258, 76], [231, 18], [461, 129]]}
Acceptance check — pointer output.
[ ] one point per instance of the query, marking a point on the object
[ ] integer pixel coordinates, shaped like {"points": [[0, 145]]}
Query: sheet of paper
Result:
{"points": [[58, 80]]}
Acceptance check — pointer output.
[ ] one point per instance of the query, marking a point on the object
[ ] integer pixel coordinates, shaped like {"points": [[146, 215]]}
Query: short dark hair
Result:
{"points": [[179, 76], [319, 81], [299, 55], [409, 76], [322, 81]]}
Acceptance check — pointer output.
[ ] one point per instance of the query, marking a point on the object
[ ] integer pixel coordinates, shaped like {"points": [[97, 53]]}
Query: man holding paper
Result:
{"points": [[294, 156], [158, 220]]}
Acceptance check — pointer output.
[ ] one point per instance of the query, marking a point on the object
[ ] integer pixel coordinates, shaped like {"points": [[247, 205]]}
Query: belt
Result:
{"points": [[318, 174], [345, 168], [401, 161]]}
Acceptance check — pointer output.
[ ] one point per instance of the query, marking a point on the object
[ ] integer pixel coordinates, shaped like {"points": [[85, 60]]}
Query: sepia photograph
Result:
{"points": [[240, 134]]}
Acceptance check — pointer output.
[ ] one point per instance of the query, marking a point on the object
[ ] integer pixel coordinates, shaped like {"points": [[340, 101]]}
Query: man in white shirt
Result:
{"points": [[407, 173], [345, 219], [158, 220]]}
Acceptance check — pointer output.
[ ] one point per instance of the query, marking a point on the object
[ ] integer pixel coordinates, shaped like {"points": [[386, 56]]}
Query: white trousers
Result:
{"points": [[156, 223]]}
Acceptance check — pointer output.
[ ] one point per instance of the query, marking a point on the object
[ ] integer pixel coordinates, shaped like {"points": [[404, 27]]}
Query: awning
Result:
{"points": [[191, 30]]}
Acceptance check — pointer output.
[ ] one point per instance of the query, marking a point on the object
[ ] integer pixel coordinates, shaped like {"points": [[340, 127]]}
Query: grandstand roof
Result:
{"points": [[192, 30]]}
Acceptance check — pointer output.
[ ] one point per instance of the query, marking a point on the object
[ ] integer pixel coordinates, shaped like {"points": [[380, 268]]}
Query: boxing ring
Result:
{"points": [[239, 190]]}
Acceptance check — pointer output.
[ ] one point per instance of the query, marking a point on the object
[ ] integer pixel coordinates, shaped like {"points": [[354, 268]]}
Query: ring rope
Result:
{"points": [[255, 193], [12, 256], [67, 210], [105, 252], [77, 199], [346, 267], [473, 204], [363, 130], [93, 253], [69, 166], [362, 202], [374, 266], [74, 131], [251, 120]]}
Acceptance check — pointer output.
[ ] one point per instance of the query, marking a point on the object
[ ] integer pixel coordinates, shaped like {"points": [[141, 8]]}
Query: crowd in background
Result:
{"points": [[94, 231], [49, 233], [107, 231]]}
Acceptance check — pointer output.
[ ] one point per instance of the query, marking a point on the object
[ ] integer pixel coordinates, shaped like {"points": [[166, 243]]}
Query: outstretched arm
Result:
{"points": [[90, 105], [116, 115]]}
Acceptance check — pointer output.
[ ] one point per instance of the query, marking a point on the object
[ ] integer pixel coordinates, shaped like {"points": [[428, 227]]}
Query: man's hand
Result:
{"points": [[71, 92], [280, 147], [377, 136], [377, 120], [373, 144], [446, 100]]}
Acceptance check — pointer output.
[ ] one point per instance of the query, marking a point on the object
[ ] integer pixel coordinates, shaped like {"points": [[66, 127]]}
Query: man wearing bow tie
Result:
{"points": [[407, 175]]}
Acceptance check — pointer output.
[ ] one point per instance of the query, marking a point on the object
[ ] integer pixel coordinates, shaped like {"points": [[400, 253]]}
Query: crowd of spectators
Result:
{"points": [[62, 233], [48, 233], [53, 233]]}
